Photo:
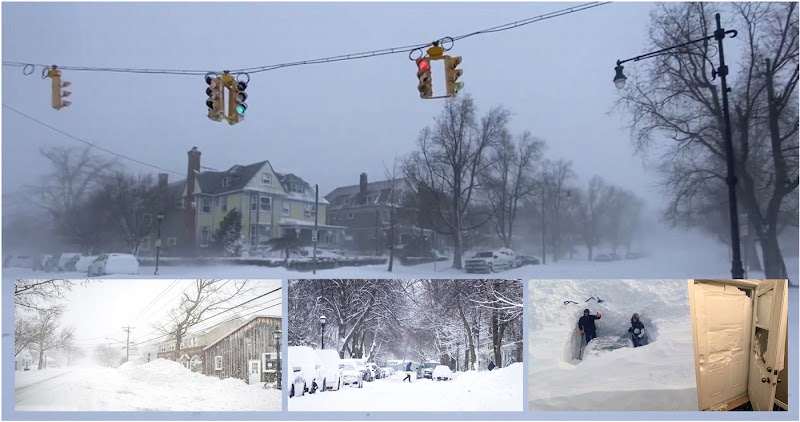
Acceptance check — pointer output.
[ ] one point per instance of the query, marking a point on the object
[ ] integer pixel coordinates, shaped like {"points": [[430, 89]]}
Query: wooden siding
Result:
{"points": [[248, 342]]}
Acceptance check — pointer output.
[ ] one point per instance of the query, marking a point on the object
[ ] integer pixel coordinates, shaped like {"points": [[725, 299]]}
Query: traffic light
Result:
{"points": [[240, 98], [452, 74], [425, 86], [58, 93], [214, 93]]}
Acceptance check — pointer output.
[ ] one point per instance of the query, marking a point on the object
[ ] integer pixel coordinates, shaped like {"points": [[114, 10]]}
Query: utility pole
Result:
{"points": [[128, 342], [315, 235]]}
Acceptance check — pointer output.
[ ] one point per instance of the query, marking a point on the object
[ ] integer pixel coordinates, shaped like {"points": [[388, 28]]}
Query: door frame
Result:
{"points": [[250, 373], [779, 313]]}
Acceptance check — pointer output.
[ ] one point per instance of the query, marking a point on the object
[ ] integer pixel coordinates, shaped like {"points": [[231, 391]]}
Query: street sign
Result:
{"points": [[313, 235], [158, 243]]}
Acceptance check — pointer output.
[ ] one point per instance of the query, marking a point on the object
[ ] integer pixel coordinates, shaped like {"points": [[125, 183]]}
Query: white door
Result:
{"points": [[721, 319], [254, 369], [768, 335]]}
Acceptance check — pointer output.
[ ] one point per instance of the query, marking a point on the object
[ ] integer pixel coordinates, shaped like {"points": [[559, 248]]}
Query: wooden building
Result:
{"points": [[247, 352]]}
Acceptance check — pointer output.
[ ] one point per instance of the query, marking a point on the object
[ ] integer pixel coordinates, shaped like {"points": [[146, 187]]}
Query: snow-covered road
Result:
{"points": [[498, 390], [159, 385]]}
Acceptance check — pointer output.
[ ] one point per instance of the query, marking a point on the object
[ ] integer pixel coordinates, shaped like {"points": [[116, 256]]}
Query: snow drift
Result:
{"points": [[612, 375]]}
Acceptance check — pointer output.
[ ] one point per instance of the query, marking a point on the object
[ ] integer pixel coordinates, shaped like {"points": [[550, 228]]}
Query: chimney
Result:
{"points": [[163, 180], [363, 183], [191, 212]]}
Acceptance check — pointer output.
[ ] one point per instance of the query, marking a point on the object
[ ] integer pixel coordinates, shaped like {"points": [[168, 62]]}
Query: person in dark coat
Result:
{"points": [[408, 372], [586, 325], [636, 330], [491, 365]]}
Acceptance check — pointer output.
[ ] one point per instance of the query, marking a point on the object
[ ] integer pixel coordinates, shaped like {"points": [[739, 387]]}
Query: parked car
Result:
{"points": [[490, 261], [386, 372], [442, 373], [65, 258], [84, 262], [528, 260], [297, 381], [634, 255], [330, 368], [366, 374], [351, 373], [376, 372], [428, 367], [311, 367], [603, 258], [19, 261], [114, 263]]}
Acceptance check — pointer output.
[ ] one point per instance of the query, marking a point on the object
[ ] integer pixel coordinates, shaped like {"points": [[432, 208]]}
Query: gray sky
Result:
{"points": [[328, 122]]}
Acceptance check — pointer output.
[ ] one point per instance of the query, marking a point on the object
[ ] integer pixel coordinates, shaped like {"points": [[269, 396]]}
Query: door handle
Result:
{"points": [[765, 379], [769, 369], [779, 380]]}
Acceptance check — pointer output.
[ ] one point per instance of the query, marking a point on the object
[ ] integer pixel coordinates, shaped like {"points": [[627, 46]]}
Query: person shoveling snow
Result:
{"points": [[637, 331], [408, 372], [587, 327]]}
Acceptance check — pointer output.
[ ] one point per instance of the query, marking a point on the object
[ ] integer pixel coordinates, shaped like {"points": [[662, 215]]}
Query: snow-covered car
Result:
{"points": [[330, 368], [298, 383], [114, 263], [386, 372], [375, 370], [603, 258], [366, 374], [527, 260], [65, 258], [20, 261], [84, 262], [490, 261], [311, 366], [442, 373], [427, 368], [351, 373]]}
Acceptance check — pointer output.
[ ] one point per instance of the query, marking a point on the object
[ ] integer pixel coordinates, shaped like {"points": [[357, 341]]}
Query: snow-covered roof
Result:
{"points": [[239, 327], [284, 222]]}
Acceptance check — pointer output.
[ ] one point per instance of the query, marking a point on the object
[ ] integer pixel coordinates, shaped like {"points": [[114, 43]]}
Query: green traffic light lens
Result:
{"points": [[241, 108]]}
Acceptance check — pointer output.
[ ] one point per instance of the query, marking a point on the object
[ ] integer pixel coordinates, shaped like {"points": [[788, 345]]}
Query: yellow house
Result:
{"points": [[271, 205]]}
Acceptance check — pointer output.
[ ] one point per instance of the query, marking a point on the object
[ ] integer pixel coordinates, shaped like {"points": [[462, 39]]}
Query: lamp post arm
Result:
{"points": [[731, 32]]}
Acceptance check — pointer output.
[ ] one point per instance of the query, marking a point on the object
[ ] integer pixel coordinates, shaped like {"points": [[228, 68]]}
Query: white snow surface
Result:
{"points": [[160, 385], [612, 375], [497, 390]]}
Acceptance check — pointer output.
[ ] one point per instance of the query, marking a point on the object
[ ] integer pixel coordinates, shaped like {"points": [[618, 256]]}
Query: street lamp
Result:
{"points": [[277, 336], [737, 271], [322, 321], [158, 240]]}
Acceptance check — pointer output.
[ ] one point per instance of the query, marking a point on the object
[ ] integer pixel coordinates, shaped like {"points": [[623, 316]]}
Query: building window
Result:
{"points": [[266, 179], [309, 210], [253, 202], [263, 236], [179, 203], [205, 203], [349, 215], [224, 202], [266, 203], [285, 209], [217, 363], [172, 241], [205, 231], [226, 181]]}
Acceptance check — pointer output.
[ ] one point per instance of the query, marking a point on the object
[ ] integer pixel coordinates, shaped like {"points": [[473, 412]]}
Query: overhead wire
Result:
{"points": [[330, 59]]}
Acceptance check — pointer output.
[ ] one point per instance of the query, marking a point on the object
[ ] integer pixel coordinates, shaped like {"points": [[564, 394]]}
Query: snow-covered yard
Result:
{"points": [[158, 385], [498, 390], [612, 375]]}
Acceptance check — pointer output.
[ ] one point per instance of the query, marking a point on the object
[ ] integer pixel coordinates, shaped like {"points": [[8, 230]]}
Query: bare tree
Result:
{"points": [[592, 209], [47, 332], [509, 179], [678, 98], [556, 178], [24, 331], [394, 201], [448, 164], [75, 174], [133, 203], [41, 294], [200, 302]]}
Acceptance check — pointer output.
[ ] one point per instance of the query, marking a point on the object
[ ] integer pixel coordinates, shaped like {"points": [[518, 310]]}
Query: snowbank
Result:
{"points": [[158, 385], [612, 375]]}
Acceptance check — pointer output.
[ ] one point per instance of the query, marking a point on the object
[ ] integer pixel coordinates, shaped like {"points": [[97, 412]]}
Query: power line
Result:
{"points": [[89, 143], [331, 59], [153, 302]]}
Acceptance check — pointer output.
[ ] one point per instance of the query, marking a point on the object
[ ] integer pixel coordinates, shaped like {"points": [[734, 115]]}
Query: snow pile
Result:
{"points": [[160, 385], [612, 375], [499, 389]]}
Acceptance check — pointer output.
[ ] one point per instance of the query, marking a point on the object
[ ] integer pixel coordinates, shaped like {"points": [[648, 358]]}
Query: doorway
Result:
{"points": [[254, 371]]}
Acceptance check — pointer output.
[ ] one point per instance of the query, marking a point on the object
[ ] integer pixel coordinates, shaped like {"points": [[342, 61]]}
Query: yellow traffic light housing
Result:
{"points": [[57, 92], [214, 100], [452, 74], [425, 86]]}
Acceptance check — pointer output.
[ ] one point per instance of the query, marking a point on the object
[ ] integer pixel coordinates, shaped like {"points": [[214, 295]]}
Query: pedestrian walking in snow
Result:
{"points": [[636, 330], [491, 365], [587, 327], [408, 372]]}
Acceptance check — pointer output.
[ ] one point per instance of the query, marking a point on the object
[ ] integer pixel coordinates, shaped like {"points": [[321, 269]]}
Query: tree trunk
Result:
{"points": [[774, 267], [41, 357], [457, 248], [470, 343]]}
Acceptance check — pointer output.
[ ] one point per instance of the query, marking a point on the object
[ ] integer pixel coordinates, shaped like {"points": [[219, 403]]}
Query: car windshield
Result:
{"points": [[431, 365], [348, 367], [483, 255]]}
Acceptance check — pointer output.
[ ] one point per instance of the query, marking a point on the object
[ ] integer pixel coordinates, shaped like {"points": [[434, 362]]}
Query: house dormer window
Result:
{"points": [[266, 179], [226, 181]]}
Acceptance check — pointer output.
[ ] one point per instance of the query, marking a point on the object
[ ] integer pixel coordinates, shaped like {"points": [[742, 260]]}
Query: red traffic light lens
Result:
{"points": [[423, 65]]}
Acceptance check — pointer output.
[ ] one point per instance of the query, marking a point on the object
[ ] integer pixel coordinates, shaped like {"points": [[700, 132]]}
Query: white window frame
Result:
{"points": [[261, 205], [286, 209], [266, 179], [208, 237], [205, 205], [172, 241], [179, 203], [217, 363], [253, 202]]}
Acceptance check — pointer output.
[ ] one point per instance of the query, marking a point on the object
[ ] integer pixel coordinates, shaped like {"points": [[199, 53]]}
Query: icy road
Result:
{"points": [[498, 390], [158, 385]]}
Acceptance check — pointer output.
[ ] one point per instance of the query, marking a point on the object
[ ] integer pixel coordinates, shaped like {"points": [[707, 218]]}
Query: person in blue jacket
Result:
{"points": [[586, 325], [636, 330], [408, 372]]}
